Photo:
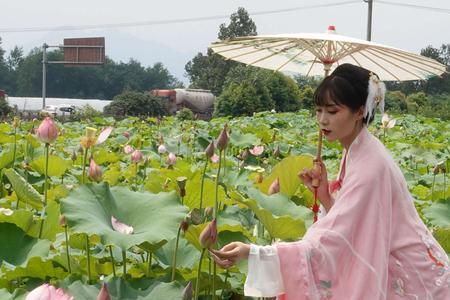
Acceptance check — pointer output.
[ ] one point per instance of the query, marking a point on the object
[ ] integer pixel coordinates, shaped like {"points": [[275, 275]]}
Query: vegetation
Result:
{"points": [[149, 188], [131, 103]]}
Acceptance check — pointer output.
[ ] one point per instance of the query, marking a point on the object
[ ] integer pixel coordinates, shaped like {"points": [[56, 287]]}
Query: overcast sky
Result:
{"points": [[176, 43]]}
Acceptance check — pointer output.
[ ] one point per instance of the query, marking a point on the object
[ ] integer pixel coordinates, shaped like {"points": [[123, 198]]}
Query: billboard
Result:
{"points": [[84, 51]]}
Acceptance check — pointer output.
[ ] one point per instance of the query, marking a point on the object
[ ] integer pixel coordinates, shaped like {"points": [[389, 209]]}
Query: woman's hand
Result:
{"points": [[308, 175], [230, 254]]}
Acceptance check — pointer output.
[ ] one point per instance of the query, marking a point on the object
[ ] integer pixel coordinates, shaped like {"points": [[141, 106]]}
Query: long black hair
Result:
{"points": [[347, 85]]}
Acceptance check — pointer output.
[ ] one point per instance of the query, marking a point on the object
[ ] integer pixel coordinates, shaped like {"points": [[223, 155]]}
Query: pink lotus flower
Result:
{"points": [[104, 293], [48, 292], [136, 156], [171, 159], [257, 150], [47, 132], [215, 158], [208, 237], [104, 135], [95, 172], [274, 187], [162, 149], [126, 134], [121, 227], [128, 149]]}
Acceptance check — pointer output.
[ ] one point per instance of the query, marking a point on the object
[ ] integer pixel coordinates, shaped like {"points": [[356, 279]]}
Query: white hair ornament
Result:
{"points": [[375, 97]]}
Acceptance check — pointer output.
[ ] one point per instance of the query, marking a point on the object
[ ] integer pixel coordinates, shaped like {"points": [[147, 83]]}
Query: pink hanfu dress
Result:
{"points": [[370, 245]]}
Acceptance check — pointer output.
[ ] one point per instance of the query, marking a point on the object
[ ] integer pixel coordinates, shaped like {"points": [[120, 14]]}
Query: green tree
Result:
{"points": [[132, 103], [208, 71], [396, 101]]}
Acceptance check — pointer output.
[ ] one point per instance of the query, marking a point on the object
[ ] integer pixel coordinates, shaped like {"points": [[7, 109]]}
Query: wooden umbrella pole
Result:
{"points": [[318, 172]]}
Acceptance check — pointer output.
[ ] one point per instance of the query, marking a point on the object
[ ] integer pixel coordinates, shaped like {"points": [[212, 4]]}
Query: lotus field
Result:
{"points": [[128, 209]]}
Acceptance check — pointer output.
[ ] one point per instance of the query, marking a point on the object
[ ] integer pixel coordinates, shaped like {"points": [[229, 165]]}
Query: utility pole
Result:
{"points": [[369, 19], [44, 73]]}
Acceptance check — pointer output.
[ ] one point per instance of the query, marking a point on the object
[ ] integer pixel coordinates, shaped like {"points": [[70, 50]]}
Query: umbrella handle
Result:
{"points": [[317, 166]]}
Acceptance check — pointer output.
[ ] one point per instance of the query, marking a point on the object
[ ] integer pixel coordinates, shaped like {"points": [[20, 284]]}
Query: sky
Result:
{"points": [[175, 43]]}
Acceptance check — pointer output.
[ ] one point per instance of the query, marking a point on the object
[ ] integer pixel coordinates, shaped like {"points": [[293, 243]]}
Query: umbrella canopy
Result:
{"points": [[313, 54]]}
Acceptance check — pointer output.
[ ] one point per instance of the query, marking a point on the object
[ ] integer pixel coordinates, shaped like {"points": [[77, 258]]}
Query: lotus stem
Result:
{"points": [[112, 260], [216, 202], [214, 281], [203, 183], [47, 146], [197, 283], [15, 146], [84, 165], [432, 187], [67, 249], [227, 274], [124, 259], [88, 254], [174, 259]]}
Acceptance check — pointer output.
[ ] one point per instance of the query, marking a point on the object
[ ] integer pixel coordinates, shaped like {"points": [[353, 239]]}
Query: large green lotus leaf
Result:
{"points": [[112, 175], [154, 217], [442, 235], [6, 138], [103, 156], [187, 255], [24, 191], [243, 139], [36, 268], [280, 216], [438, 213], [51, 226], [56, 165], [122, 290], [6, 157], [287, 170], [192, 198], [22, 218], [17, 247], [19, 294]]}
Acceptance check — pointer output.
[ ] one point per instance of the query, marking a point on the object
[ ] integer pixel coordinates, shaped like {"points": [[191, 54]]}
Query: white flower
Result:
{"points": [[387, 122]]}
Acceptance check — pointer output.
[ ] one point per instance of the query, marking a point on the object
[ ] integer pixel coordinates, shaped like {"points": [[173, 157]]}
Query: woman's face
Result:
{"points": [[338, 122]]}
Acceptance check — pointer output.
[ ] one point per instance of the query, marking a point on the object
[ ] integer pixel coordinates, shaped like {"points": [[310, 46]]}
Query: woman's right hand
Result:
{"points": [[230, 254], [308, 175]]}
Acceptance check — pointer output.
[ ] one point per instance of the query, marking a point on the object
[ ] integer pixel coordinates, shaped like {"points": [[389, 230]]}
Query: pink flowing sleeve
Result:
{"points": [[345, 254]]}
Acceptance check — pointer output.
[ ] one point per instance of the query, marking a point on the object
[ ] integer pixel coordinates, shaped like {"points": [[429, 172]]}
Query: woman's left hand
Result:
{"points": [[230, 254]]}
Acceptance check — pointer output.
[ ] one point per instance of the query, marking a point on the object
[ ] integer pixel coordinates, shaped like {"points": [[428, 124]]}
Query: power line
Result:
{"points": [[169, 21], [434, 9]]}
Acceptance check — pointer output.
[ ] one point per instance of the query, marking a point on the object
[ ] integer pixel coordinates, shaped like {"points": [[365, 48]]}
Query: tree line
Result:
{"points": [[240, 90]]}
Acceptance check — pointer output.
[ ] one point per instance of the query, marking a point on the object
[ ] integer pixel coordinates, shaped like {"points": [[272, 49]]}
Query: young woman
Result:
{"points": [[369, 243]]}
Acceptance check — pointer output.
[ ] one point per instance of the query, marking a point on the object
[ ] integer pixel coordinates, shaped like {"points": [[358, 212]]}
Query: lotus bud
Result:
{"points": [[209, 211], [16, 122], [62, 220], [208, 237], [184, 225], [104, 293], [47, 291], [194, 217], [210, 150], [257, 150], [259, 178], [128, 149], [244, 154], [181, 181], [126, 134], [95, 172], [274, 187], [136, 156], [162, 149], [121, 227], [222, 141], [47, 132], [171, 159], [73, 157], [187, 292], [276, 152]]}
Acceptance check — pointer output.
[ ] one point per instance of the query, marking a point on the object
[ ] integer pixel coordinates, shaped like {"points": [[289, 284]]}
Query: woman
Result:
{"points": [[369, 242]]}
